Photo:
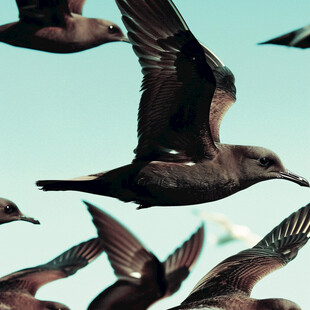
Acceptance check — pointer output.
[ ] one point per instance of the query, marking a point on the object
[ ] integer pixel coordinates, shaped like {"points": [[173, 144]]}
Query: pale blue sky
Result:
{"points": [[64, 116]]}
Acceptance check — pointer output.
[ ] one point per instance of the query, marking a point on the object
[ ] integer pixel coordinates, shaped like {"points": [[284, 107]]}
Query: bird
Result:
{"points": [[232, 231], [57, 26], [17, 290], [186, 91], [298, 38], [228, 285], [9, 212], [142, 278]]}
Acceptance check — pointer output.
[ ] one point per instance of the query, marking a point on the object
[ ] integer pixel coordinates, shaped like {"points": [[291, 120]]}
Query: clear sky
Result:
{"points": [[64, 116]]}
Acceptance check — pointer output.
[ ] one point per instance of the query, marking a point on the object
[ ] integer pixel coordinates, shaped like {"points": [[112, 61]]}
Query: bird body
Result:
{"points": [[50, 28], [232, 169]]}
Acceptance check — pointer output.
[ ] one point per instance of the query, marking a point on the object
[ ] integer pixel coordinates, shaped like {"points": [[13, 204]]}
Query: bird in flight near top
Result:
{"points": [[186, 91], [297, 38], [229, 284], [57, 26]]}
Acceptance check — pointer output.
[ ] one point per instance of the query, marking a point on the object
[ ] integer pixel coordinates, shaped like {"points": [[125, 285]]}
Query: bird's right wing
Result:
{"points": [[76, 6], [178, 265], [43, 12], [239, 273], [64, 265]]}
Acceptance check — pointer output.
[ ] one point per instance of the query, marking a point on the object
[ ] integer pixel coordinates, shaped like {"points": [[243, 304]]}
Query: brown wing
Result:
{"points": [[62, 266], [225, 92], [128, 257], [76, 6], [43, 12], [298, 38], [178, 83], [178, 265], [241, 272]]}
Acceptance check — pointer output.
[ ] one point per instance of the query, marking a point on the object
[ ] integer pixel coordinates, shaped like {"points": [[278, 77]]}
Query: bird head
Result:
{"points": [[9, 212], [258, 164]]}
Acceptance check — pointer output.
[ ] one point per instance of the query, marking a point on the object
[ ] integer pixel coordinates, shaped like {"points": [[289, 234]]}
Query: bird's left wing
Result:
{"points": [[178, 265], [178, 83], [239, 273], [64, 265]]}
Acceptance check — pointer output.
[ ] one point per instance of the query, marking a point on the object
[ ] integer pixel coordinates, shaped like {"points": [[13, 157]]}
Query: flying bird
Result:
{"points": [[9, 212], [142, 278], [228, 285], [17, 290], [57, 26], [232, 231], [186, 91], [298, 38]]}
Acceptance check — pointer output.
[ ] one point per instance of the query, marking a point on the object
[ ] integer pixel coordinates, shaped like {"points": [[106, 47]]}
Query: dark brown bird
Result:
{"points": [[298, 38], [17, 290], [142, 278], [228, 285], [186, 92], [58, 26], [9, 212]]}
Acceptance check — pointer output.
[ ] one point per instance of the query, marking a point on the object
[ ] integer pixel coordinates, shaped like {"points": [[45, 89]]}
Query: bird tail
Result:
{"points": [[77, 184]]}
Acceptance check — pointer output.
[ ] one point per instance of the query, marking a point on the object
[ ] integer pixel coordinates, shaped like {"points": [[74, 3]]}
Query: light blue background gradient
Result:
{"points": [[65, 116]]}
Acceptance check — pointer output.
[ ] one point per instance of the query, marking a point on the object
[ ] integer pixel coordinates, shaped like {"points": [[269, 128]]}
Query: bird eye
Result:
{"points": [[113, 29], [8, 209], [264, 161]]}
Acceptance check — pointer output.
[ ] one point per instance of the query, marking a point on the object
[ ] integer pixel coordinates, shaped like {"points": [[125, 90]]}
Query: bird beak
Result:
{"points": [[28, 219], [125, 39], [287, 175]]}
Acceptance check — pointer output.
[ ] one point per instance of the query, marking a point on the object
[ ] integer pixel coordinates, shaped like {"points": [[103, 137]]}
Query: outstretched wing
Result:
{"points": [[128, 257], [76, 6], [241, 271], [178, 265], [43, 12], [298, 38], [225, 92], [178, 83], [65, 265]]}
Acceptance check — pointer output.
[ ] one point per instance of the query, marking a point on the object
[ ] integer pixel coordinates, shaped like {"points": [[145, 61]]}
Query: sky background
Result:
{"points": [[65, 116]]}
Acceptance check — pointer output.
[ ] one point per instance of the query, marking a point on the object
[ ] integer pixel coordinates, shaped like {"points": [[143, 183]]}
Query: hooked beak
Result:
{"points": [[288, 175], [28, 219]]}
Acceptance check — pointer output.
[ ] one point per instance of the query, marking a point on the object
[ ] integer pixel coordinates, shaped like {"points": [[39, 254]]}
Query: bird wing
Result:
{"points": [[128, 257], [64, 265], [178, 265], [225, 92], [178, 83], [239, 273], [43, 12], [298, 38], [76, 6]]}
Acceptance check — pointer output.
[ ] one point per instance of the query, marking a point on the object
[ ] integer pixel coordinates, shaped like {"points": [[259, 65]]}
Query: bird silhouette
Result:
{"points": [[186, 92], [58, 26]]}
